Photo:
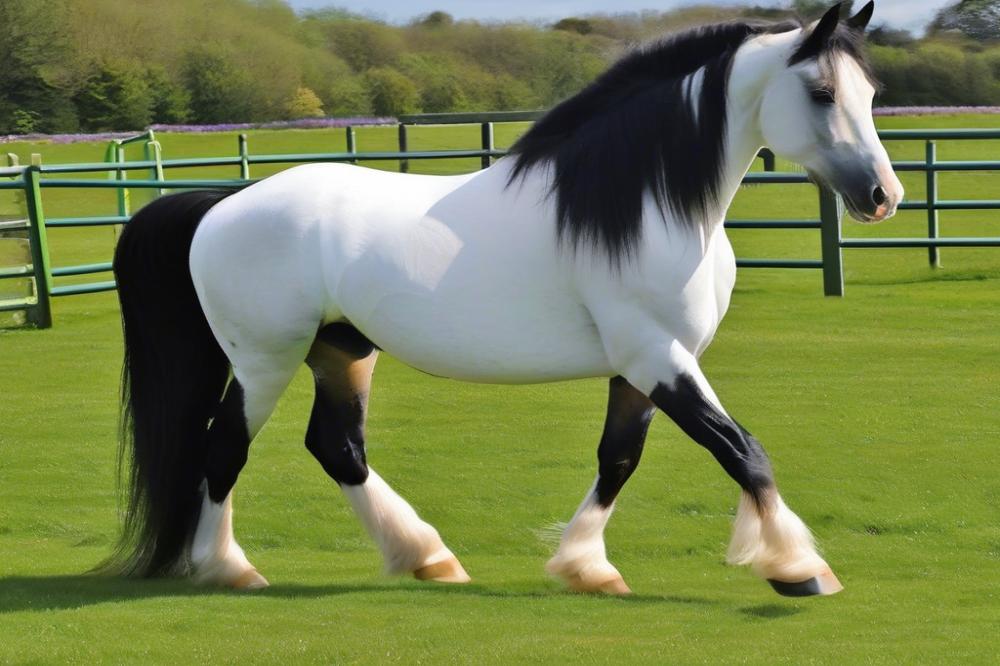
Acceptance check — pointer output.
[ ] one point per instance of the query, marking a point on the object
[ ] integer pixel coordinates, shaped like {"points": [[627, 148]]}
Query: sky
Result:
{"points": [[911, 15]]}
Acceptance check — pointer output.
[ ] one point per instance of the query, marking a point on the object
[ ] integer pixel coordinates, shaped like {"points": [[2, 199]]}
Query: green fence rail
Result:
{"points": [[32, 180]]}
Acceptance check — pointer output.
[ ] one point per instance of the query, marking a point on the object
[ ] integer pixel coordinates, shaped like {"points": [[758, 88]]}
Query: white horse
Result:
{"points": [[596, 250]]}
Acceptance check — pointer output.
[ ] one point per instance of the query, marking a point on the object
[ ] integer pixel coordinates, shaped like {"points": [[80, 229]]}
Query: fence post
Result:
{"points": [[933, 253], [13, 161], [124, 200], [115, 153], [244, 156], [41, 314], [831, 210], [404, 165], [352, 146], [486, 132], [768, 157], [154, 153]]}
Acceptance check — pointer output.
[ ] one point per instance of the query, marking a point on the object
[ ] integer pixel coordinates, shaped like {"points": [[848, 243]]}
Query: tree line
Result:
{"points": [[97, 65]]}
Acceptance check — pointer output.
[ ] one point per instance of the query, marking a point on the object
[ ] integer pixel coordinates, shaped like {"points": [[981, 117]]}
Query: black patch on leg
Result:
{"points": [[739, 453], [346, 338], [336, 437], [228, 444], [629, 414]]}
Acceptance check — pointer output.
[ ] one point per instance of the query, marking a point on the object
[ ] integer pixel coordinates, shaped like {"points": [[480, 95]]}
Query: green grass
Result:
{"points": [[880, 412]]}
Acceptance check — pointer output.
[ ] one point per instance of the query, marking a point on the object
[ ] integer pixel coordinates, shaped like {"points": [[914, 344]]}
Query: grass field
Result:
{"points": [[880, 412]]}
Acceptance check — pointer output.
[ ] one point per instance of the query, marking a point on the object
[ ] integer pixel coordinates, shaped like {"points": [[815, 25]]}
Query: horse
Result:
{"points": [[596, 248]]}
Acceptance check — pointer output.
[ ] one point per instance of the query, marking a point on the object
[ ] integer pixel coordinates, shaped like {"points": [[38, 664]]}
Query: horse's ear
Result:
{"points": [[859, 21], [815, 43]]}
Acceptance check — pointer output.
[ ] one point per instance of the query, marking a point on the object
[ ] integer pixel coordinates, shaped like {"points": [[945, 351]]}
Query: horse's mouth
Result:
{"points": [[859, 213], [880, 214]]}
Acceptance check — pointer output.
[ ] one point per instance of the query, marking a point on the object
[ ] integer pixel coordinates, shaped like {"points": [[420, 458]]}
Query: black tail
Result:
{"points": [[172, 382]]}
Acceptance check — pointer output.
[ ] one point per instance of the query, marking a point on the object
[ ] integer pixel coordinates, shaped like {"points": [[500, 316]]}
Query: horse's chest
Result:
{"points": [[691, 303]]}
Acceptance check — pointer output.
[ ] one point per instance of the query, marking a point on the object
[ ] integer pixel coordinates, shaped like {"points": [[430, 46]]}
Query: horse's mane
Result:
{"points": [[634, 130]]}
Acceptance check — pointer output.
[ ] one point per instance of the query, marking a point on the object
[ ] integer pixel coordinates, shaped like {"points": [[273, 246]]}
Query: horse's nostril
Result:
{"points": [[878, 195]]}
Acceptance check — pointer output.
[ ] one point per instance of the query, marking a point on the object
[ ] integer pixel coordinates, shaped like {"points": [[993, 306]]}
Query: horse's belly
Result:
{"points": [[487, 337], [489, 309]]}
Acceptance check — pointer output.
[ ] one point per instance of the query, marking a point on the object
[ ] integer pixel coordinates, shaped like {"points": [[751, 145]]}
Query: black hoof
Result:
{"points": [[806, 588]]}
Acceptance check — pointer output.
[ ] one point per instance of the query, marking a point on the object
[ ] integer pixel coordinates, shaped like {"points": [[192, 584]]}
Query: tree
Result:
{"points": [[810, 8], [568, 63], [348, 96], [443, 95], [391, 93], [992, 60], [246, 59], [364, 44], [577, 25], [884, 35], [439, 80], [171, 101], [305, 104], [35, 91], [25, 122], [510, 94], [221, 91], [976, 19], [115, 96], [437, 20]]}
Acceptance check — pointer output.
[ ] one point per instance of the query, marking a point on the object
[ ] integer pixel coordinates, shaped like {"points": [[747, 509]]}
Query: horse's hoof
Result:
{"points": [[445, 571], [249, 580], [614, 586], [824, 584]]}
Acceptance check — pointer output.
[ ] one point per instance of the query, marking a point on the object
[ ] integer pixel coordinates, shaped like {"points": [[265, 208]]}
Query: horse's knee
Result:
{"points": [[335, 437]]}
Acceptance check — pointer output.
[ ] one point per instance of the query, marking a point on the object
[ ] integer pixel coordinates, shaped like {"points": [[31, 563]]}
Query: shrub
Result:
{"points": [[391, 93], [25, 122], [305, 104]]}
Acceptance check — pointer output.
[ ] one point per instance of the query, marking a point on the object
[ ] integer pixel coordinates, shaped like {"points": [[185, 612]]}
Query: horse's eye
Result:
{"points": [[822, 96]]}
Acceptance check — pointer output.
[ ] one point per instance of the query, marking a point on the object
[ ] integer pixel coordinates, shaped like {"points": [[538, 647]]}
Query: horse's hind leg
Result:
{"points": [[258, 381], [342, 361], [581, 560]]}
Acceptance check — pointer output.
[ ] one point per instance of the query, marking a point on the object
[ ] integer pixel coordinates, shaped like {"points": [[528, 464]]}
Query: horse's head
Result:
{"points": [[817, 111]]}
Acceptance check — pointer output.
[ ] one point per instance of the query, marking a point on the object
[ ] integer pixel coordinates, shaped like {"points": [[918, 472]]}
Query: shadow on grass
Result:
{"points": [[934, 276], [41, 593], [770, 611]]}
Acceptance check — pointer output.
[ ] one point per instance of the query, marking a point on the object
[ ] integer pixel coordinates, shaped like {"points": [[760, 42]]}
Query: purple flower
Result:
{"points": [[305, 123], [65, 138]]}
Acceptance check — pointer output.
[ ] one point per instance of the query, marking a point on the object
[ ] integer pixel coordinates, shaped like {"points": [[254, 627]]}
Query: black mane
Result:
{"points": [[633, 131]]}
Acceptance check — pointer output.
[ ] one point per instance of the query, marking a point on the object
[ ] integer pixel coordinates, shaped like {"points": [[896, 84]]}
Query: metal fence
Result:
{"points": [[34, 179]]}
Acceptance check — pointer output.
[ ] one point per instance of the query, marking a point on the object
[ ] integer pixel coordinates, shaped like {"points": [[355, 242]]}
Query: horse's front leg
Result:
{"points": [[581, 560], [766, 535]]}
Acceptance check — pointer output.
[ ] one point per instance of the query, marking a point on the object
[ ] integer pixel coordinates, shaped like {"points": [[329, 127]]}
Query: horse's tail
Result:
{"points": [[173, 379]]}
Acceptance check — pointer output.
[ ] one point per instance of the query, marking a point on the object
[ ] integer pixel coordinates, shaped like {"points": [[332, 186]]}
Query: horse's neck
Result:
{"points": [[751, 67], [742, 146]]}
